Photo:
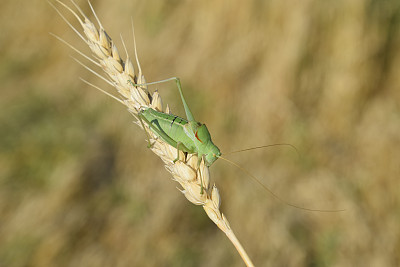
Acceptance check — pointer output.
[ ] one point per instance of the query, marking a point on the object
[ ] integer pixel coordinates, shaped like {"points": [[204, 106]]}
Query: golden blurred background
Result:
{"points": [[78, 187]]}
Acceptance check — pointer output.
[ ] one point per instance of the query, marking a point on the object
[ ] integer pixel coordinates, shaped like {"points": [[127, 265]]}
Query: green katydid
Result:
{"points": [[193, 137], [186, 135]]}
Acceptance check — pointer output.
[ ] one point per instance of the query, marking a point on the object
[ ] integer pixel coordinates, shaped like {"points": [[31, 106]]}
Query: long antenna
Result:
{"points": [[272, 193], [258, 147]]}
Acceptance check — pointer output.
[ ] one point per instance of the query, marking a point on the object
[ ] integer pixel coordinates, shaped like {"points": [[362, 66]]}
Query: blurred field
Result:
{"points": [[78, 187]]}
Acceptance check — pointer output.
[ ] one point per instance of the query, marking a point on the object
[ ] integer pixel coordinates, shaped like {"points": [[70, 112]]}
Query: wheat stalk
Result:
{"points": [[121, 75]]}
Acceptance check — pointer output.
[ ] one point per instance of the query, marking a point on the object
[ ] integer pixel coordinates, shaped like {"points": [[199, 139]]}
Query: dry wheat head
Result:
{"points": [[121, 75]]}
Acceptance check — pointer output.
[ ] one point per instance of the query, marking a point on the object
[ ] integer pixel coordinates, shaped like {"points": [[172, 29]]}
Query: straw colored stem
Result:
{"points": [[239, 248]]}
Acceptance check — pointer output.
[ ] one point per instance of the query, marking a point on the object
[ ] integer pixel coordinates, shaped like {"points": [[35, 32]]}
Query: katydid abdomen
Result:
{"points": [[187, 136]]}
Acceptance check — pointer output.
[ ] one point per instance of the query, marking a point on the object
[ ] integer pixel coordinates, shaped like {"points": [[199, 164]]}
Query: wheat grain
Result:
{"points": [[120, 74]]}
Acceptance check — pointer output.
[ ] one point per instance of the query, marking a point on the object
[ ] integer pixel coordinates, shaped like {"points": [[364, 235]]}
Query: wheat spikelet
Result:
{"points": [[121, 75]]}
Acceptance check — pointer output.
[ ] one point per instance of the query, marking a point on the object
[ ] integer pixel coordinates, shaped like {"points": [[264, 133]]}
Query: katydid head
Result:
{"points": [[212, 156]]}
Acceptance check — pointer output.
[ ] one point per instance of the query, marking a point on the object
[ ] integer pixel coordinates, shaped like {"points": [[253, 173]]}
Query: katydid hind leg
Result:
{"points": [[157, 131], [189, 114], [149, 145]]}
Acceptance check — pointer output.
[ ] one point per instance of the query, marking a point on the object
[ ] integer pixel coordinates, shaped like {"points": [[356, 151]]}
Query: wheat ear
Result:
{"points": [[121, 75]]}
